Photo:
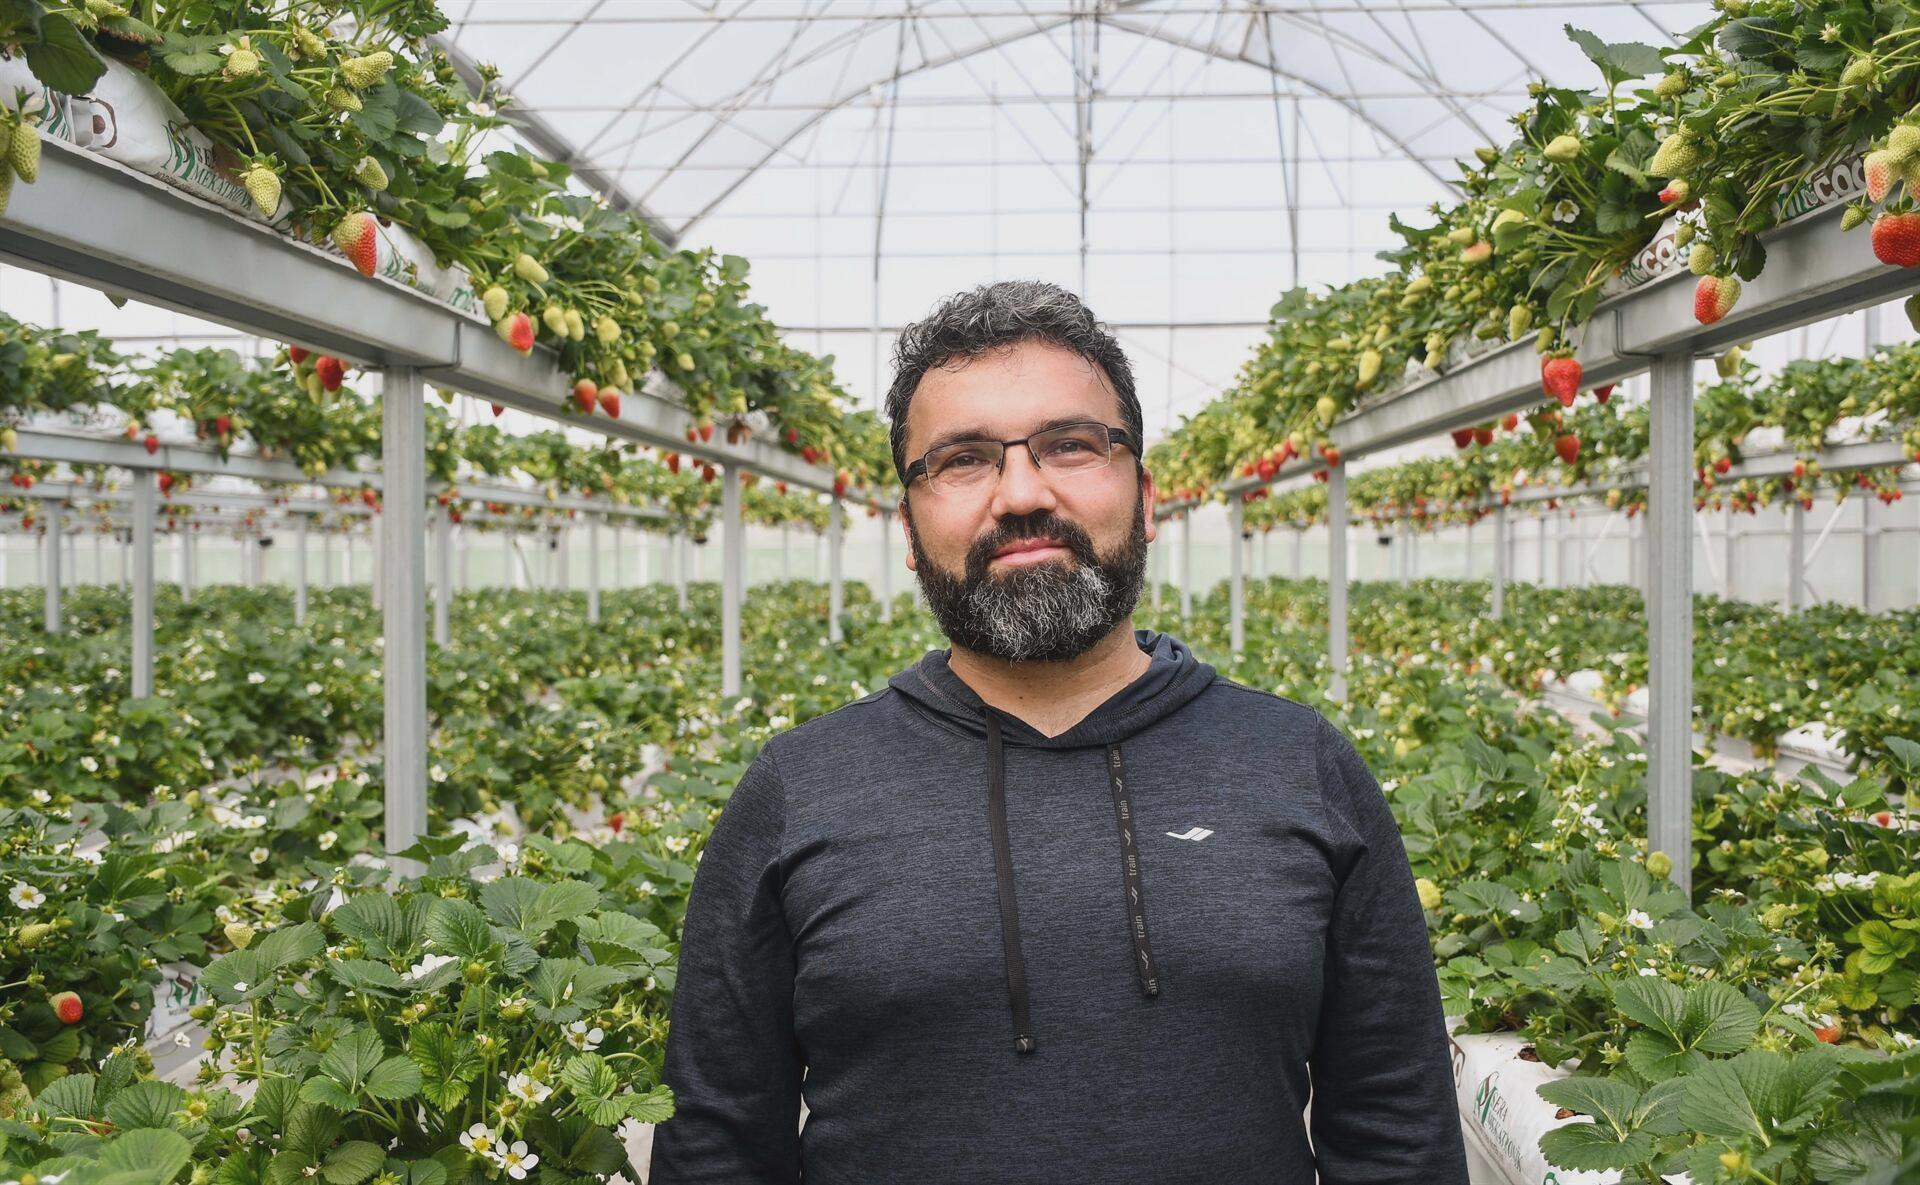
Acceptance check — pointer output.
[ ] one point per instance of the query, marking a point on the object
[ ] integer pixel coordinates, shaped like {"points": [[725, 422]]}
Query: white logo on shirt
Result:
{"points": [[1196, 834]]}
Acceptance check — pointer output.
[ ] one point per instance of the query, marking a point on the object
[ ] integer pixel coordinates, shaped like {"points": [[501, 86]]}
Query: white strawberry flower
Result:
{"points": [[479, 1139], [25, 896], [255, 677], [1566, 210], [314, 689], [516, 1160], [1639, 919], [89, 764], [258, 855], [585, 1039], [326, 839], [427, 965], [526, 1087]]}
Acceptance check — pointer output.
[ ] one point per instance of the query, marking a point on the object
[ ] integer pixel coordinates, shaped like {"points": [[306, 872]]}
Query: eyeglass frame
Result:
{"points": [[1115, 435]]}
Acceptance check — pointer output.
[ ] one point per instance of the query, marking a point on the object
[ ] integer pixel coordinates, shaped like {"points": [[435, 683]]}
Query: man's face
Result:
{"points": [[1032, 564]]}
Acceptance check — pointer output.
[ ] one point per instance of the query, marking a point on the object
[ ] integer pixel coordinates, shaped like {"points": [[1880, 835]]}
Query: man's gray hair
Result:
{"points": [[995, 317]]}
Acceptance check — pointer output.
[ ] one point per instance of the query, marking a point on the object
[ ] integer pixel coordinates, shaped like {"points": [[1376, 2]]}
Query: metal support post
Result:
{"points": [[189, 543], [300, 569], [1237, 590], [786, 551], [1299, 551], [442, 577], [836, 594], [1540, 550], [733, 551], [886, 565], [1502, 559], [1729, 565], [677, 561], [1186, 565], [50, 565], [1159, 569], [1796, 557], [403, 569], [593, 569], [1337, 581], [1469, 546], [142, 546], [1869, 553], [1670, 616]]}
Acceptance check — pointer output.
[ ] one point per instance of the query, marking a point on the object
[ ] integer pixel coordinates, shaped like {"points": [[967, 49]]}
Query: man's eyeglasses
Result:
{"points": [[1062, 451]]}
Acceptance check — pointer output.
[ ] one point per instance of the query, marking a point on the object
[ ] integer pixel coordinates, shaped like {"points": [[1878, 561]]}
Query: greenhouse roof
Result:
{"points": [[1178, 162]]}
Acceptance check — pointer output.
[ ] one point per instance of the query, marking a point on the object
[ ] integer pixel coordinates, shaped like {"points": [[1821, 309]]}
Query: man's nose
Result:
{"points": [[1022, 488]]}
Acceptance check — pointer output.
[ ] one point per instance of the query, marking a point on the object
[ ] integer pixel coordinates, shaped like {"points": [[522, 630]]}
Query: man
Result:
{"points": [[1061, 904]]}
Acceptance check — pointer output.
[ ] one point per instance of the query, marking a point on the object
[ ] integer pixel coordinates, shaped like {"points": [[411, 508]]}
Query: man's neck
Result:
{"points": [[1054, 696]]}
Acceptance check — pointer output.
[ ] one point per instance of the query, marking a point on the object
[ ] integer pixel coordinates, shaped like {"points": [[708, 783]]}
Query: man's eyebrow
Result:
{"points": [[956, 435]]}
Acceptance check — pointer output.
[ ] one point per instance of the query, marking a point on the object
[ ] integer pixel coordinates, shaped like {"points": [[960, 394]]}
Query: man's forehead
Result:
{"points": [[1006, 387]]}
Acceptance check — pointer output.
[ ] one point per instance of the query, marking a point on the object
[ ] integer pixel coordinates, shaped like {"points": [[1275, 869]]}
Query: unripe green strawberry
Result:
{"points": [[1860, 72], [1679, 155], [106, 9], [1519, 320], [1460, 236], [1672, 85], [307, 43], [618, 373], [494, 300], [1660, 864], [1369, 366], [576, 326], [606, 330], [366, 71], [1912, 307], [23, 151], [1562, 149], [1903, 141], [1854, 216], [1419, 285], [1433, 360], [684, 361], [369, 173], [651, 284], [263, 186], [1683, 234], [1702, 260], [528, 268], [554, 319], [242, 62], [34, 933], [1487, 154], [6, 189], [240, 934], [1429, 893], [339, 98]]}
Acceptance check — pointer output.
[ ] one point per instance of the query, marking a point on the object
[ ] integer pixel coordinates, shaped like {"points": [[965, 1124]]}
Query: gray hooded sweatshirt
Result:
{"points": [[1124, 953]]}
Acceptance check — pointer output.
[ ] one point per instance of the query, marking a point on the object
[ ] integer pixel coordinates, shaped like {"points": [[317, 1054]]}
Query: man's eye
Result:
{"points": [[963, 461]]}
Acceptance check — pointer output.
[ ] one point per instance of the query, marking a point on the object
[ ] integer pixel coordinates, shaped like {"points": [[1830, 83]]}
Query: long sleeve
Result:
{"points": [[1383, 1094], [732, 1059]]}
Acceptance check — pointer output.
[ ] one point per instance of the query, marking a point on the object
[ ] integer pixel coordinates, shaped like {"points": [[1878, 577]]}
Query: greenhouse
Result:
{"points": [[959, 590]]}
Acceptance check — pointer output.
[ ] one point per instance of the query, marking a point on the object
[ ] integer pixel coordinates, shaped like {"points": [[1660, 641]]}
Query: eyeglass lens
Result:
{"points": [[1067, 449]]}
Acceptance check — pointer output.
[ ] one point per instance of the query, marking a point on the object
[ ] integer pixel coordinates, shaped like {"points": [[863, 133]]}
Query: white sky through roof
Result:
{"points": [[1232, 145]]}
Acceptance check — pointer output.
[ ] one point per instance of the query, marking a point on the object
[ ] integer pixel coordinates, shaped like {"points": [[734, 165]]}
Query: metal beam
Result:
{"points": [[1237, 585], [142, 625], [836, 595], [733, 550], [1337, 582], [50, 574], [1813, 273]]}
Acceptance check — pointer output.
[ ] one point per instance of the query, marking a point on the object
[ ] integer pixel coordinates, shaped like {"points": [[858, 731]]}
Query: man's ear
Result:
{"points": [[1149, 498], [906, 531]]}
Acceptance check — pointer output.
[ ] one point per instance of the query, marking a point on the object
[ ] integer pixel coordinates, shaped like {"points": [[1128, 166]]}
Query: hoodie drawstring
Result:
{"points": [[1130, 870], [1003, 873], [1023, 1040]]}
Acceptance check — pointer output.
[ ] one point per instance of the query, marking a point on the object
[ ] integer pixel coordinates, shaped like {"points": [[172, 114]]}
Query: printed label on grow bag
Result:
{"points": [[45, 109], [128, 119], [178, 990]]}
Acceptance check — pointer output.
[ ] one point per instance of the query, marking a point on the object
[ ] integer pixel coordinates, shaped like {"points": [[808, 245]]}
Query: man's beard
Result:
{"points": [[1049, 611]]}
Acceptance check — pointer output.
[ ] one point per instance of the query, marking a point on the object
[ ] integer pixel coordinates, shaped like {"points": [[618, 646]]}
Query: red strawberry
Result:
{"points": [[673, 462], [617, 820], [793, 436], [1568, 446], [1715, 296], [1806, 503], [1462, 437], [1511, 422], [1828, 1034], [1896, 239], [1483, 436], [810, 453], [1331, 454], [369, 497], [1722, 464], [706, 430], [223, 424], [841, 481], [584, 394], [1560, 378], [708, 472], [1677, 190], [1603, 393], [497, 407], [298, 354], [454, 515], [781, 486], [355, 235], [1883, 818], [1799, 469], [331, 370], [153, 444], [520, 332], [610, 401], [67, 1007], [165, 482]]}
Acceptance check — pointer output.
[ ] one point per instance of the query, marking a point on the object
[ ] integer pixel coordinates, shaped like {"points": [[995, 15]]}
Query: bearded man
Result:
{"points": [[1059, 904]]}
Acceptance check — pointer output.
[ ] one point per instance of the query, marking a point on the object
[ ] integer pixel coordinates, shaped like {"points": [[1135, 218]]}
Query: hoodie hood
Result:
{"points": [[1172, 679]]}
